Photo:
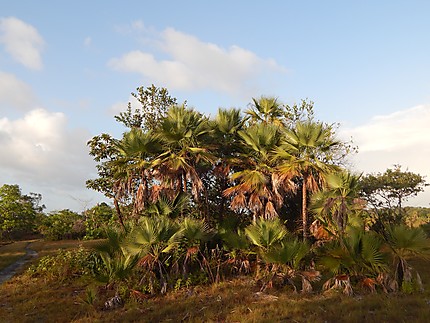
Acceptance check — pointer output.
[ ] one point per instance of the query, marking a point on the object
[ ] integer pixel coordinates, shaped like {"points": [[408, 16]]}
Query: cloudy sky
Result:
{"points": [[66, 68]]}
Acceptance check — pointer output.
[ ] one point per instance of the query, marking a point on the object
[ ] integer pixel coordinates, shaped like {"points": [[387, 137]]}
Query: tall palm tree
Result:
{"points": [[136, 152], [253, 187], [226, 142], [305, 155], [184, 134]]}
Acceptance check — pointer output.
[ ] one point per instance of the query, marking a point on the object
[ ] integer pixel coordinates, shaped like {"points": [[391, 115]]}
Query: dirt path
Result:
{"points": [[8, 272]]}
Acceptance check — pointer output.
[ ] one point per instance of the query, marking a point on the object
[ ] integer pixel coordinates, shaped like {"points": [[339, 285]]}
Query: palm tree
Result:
{"points": [[136, 152], [253, 187], [184, 133], [165, 207], [282, 254], [337, 201], [118, 261], [359, 254], [152, 240], [403, 243], [266, 234], [226, 141], [305, 156], [266, 110]]}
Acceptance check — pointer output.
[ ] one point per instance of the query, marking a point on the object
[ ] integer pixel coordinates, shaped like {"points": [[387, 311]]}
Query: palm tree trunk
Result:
{"points": [[304, 210], [118, 212]]}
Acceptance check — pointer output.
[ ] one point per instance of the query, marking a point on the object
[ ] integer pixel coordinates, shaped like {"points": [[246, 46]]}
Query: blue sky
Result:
{"points": [[67, 67]]}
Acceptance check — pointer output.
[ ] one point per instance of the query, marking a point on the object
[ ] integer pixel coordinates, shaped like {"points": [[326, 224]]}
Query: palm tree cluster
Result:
{"points": [[248, 166], [234, 194]]}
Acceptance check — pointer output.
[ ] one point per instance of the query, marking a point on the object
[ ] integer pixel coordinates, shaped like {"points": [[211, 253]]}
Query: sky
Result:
{"points": [[67, 67]]}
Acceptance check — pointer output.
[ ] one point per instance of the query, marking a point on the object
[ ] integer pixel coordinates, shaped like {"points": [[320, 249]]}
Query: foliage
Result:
{"points": [[67, 264], [386, 192], [19, 213], [337, 202], [266, 233], [97, 219], [405, 242], [177, 177], [63, 224], [154, 104]]}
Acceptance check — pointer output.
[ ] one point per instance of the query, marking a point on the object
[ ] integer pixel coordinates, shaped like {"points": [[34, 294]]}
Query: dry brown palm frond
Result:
{"points": [[254, 203], [311, 183], [139, 202], [339, 282], [238, 202], [319, 232], [306, 286], [155, 193], [146, 261], [311, 275], [369, 284], [270, 211], [231, 191]]}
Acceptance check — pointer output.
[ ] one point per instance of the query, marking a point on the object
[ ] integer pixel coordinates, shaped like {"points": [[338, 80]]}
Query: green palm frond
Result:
{"points": [[234, 240], [153, 236], [290, 252], [266, 233], [406, 241], [194, 231]]}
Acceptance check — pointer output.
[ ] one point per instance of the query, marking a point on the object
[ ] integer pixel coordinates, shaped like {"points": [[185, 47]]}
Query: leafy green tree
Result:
{"points": [[63, 224], [18, 212], [97, 219], [154, 101], [113, 177], [386, 192]]}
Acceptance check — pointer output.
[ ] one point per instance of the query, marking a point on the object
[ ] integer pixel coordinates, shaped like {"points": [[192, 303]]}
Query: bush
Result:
{"points": [[70, 263], [64, 224]]}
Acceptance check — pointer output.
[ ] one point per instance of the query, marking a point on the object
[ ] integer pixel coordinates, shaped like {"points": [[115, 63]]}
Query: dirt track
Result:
{"points": [[12, 269]]}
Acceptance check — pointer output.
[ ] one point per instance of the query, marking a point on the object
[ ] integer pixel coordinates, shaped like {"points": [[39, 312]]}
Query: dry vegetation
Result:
{"points": [[27, 299]]}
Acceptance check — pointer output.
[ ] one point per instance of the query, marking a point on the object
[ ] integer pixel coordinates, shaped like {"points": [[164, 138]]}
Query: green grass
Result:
{"points": [[11, 252], [26, 299]]}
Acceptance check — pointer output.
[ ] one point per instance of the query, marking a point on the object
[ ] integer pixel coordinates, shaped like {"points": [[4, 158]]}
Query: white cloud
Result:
{"points": [[15, 93], [192, 64], [22, 41], [401, 138], [39, 152]]}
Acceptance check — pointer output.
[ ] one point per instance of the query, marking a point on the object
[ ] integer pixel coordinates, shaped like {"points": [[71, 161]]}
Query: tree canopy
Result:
{"points": [[18, 212]]}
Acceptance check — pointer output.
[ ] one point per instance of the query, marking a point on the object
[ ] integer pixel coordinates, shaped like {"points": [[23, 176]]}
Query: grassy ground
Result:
{"points": [[44, 247], [11, 252], [25, 299]]}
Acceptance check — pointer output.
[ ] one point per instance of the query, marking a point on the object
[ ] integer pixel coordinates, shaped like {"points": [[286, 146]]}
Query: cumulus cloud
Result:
{"points": [[401, 138], [15, 93], [40, 152], [192, 64], [22, 41]]}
